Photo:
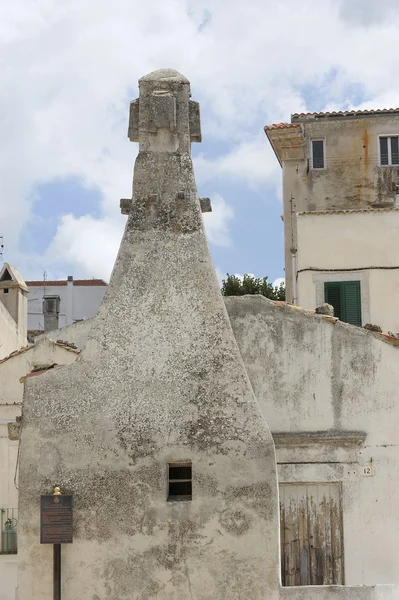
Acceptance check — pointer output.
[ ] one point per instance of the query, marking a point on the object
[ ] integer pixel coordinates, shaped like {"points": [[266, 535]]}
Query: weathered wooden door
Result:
{"points": [[311, 534]]}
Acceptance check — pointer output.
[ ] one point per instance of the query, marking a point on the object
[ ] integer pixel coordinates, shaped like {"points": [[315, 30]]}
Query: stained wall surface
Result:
{"points": [[160, 380], [353, 177], [330, 394], [352, 245]]}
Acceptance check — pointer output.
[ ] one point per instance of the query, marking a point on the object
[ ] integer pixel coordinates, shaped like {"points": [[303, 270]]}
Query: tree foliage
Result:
{"points": [[235, 286]]}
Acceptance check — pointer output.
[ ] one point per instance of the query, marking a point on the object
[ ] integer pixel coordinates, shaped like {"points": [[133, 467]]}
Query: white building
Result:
{"points": [[13, 310], [28, 361], [340, 185], [330, 393], [79, 300]]}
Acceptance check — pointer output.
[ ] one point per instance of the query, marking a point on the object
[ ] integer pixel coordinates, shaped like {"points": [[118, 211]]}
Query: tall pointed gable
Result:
{"points": [[155, 430], [10, 277]]}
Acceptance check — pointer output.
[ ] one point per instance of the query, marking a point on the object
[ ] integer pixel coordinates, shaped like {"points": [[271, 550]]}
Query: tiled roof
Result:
{"points": [[281, 126], [38, 371], [15, 353], [77, 282], [59, 343], [349, 210], [344, 113]]}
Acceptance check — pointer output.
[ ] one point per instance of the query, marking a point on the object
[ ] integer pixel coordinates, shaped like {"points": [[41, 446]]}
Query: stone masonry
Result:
{"points": [[160, 381]]}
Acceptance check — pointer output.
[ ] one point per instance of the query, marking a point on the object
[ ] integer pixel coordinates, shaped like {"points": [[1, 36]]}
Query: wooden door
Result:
{"points": [[311, 534]]}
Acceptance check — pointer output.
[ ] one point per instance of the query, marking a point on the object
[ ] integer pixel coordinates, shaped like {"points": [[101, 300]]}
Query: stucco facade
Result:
{"points": [[74, 334], [13, 310], [329, 392], [12, 373], [367, 250], [352, 177]]}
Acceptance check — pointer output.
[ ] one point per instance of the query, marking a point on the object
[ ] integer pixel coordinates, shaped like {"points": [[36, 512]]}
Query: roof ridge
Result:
{"points": [[343, 113], [281, 126]]}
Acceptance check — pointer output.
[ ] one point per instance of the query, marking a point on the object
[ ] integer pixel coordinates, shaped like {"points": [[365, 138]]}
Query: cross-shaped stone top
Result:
{"points": [[163, 118], [164, 121]]}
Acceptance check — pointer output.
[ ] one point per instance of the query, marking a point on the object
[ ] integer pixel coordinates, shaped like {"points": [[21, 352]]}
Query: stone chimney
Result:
{"points": [[51, 310], [155, 429], [69, 301]]}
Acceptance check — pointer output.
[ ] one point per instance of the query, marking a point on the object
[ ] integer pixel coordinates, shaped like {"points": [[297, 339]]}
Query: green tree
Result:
{"points": [[235, 286]]}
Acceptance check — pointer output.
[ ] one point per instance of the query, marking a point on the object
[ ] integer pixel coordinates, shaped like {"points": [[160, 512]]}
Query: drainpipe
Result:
{"points": [[294, 275], [69, 301]]}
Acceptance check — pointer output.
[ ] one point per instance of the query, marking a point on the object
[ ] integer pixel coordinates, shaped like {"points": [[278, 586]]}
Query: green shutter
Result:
{"points": [[332, 295], [345, 298], [351, 294]]}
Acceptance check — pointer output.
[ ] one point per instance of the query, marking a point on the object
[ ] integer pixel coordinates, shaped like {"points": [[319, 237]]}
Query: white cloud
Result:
{"points": [[277, 282], [251, 161], [216, 222], [71, 68], [88, 243]]}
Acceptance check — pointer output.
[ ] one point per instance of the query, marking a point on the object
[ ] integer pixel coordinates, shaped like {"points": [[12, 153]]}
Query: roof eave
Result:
{"points": [[266, 130]]}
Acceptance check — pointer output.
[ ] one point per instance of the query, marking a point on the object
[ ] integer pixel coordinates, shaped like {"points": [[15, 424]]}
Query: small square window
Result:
{"points": [[5, 290], [317, 159], [180, 481]]}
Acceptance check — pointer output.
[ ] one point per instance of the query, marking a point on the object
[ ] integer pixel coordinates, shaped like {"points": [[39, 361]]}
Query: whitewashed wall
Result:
{"points": [[77, 302], [314, 379], [12, 336], [352, 240]]}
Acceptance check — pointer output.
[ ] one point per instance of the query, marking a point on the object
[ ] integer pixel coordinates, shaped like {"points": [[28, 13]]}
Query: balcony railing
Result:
{"points": [[8, 530]]}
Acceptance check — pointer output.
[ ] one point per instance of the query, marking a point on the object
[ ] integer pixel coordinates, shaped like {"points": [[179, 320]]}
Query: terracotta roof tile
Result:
{"points": [[344, 113], [59, 343], [281, 126], [348, 210], [15, 353], [76, 282]]}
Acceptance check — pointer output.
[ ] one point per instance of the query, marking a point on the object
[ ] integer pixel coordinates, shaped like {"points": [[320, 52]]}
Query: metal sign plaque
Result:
{"points": [[56, 523]]}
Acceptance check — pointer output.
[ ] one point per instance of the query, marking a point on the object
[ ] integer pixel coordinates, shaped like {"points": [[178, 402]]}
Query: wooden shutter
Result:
{"points": [[311, 534], [351, 301], [345, 298], [332, 295]]}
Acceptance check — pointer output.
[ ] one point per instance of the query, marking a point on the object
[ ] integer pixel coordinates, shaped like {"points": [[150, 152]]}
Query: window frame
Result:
{"points": [[389, 136], [341, 285], [318, 139], [179, 497]]}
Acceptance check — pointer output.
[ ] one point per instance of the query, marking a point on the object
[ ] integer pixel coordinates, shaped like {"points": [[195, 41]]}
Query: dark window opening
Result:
{"points": [[384, 151], [389, 150], [6, 276], [5, 290], [395, 150], [345, 298], [318, 154], [180, 481]]}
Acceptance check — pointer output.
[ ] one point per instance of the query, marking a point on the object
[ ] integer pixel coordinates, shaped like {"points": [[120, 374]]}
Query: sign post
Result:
{"points": [[56, 527]]}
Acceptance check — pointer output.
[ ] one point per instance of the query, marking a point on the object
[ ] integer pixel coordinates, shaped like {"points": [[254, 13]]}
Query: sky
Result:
{"points": [[69, 69]]}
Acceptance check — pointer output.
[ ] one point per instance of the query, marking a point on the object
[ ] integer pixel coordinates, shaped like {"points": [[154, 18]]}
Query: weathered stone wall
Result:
{"points": [[310, 377], [161, 379]]}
